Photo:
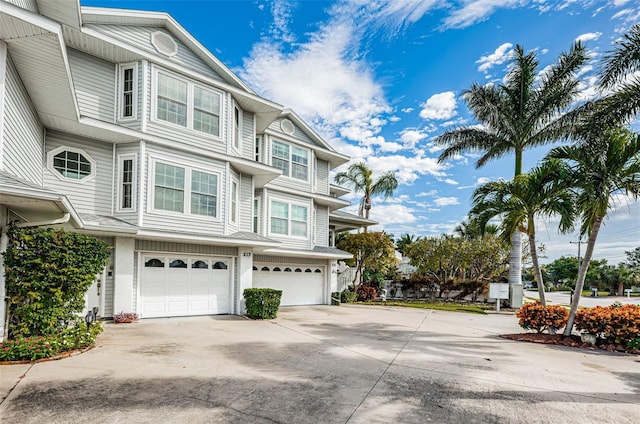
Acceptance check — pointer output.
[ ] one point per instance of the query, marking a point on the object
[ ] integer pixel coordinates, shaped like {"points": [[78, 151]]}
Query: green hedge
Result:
{"points": [[262, 303], [348, 296]]}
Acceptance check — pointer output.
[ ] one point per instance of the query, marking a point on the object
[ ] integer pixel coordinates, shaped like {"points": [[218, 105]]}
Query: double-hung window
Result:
{"points": [[292, 160], [204, 193], [182, 102], [127, 165], [169, 188], [127, 91], [288, 219], [185, 190], [234, 202], [237, 127]]}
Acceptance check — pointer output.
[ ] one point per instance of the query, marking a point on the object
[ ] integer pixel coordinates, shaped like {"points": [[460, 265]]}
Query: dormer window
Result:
{"points": [[71, 164]]}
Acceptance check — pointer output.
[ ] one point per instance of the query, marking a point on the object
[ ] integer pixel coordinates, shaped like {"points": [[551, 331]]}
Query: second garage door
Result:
{"points": [[300, 285], [182, 286]]}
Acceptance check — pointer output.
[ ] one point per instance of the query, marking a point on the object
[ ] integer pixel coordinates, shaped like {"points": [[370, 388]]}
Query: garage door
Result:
{"points": [[180, 286], [300, 285]]}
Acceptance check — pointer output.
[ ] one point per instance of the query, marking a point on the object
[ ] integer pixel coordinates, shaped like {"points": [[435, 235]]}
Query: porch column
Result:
{"points": [[333, 276], [123, 283], [245, 276]]}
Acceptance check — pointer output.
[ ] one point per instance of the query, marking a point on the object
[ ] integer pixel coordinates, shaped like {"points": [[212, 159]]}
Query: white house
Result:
{"points": [[119, 124]]}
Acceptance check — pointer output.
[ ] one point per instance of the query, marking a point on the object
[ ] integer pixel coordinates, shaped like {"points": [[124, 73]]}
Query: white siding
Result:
{"points": [[25, 4], [23, 132], [297, 133], [91, 195], [322, 226], [173, 221], [248, 136], [196, 249], [140, 37], [95, 83], [246, 203], [322, 176]]}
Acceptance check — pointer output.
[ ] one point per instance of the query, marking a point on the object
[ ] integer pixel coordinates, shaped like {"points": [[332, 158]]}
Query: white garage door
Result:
{"points": [[300, 285], [180, 286]]}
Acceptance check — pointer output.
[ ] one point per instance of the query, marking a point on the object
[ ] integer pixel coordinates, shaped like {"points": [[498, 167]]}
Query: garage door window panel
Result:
{"points": [[199, 265]]}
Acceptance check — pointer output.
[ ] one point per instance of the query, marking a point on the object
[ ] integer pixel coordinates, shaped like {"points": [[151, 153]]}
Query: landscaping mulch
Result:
{"points": [[568, 341]]}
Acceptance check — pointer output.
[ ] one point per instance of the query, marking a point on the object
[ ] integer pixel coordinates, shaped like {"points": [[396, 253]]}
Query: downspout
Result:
{"points": [[4, 242]]}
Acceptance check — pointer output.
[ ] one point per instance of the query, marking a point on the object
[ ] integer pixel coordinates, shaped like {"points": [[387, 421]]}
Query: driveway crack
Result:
{"points": [[17, 382], [389, 365]]}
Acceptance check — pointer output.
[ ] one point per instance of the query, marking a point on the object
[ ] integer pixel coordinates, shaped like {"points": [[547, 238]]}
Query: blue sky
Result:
{"points": [[380, 78]]}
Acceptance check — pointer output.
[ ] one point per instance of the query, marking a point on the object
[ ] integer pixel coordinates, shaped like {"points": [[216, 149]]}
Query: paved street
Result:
{"points": [[346, 364], [563, 298]]}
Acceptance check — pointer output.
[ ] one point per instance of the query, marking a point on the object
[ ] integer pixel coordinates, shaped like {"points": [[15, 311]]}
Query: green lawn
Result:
{"points": [[588, 293], [441, 306]]}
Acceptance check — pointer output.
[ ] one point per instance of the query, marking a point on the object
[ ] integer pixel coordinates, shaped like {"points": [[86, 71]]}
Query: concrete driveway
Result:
{"points": [[354, 364]]}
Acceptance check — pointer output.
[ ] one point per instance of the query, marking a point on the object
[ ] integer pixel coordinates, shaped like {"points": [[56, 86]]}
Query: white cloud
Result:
{"points": [[407, 169], [446, 201], [439, 106], [477, 10], [498, 57], [387, 214], [588, 36], [427, 193], [618, 3]]}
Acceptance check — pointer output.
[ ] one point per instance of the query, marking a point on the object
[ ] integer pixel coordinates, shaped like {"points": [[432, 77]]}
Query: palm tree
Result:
{"points": [[617, 74], [606, 164], [472, 229], [540, 192], [523, 112], [360, 177], [404, 241]]}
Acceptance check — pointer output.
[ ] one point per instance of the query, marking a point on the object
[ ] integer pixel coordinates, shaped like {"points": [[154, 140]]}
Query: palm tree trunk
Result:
{"points": [[515, 259], [536, 268], [582, 274]]}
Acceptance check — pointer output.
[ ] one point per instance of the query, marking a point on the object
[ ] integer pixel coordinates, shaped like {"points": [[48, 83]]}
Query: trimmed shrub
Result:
{"points": [[535, 316], [613, 324], [262, 303], [348, 296], [366, 293], [38, 347]]}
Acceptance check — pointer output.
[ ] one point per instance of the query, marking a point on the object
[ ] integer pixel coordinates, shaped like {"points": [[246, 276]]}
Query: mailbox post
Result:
{"points": [[498, 291]]}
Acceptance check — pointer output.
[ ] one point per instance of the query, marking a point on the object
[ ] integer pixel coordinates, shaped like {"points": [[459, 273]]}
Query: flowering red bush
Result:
{"points": [[615, 324], [535, 316], [366, 293]]}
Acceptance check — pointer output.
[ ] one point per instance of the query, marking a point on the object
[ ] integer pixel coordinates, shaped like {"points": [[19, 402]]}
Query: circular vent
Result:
{"points": [[164, 43], [287, 126]]}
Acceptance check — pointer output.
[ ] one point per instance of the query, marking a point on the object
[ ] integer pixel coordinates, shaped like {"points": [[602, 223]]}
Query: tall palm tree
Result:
{"points": [[606, 164], [472, 229], [617, 76], [525, 111], [360, 177], [542, 192]]}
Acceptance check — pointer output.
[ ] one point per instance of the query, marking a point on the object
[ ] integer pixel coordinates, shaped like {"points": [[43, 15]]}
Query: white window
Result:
{"points": [[204, 193], [256, 213], [292, 160], [127, 182], [234, 201], [237, 127], [257, 149], [68, 163], [184, 190], [181, 102], [127, 91], [288, 219], [168, 188]]}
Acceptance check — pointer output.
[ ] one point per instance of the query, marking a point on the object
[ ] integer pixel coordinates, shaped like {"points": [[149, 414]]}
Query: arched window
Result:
{"points": [[220, 265], [287, 269], [200, 265], [298, 270], [265, 268], [307, 270], [318, 270], [276, 269], [178, 263], [154, 263], [255, 268]]}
